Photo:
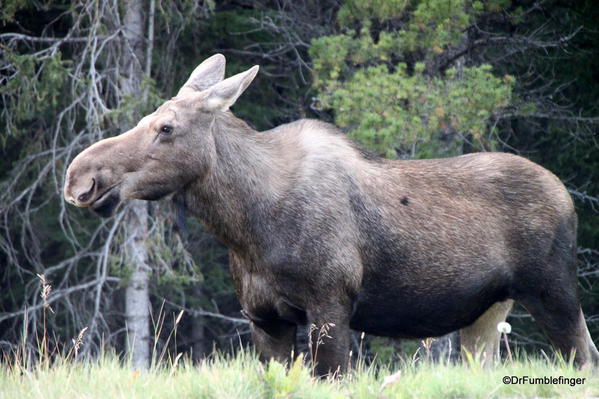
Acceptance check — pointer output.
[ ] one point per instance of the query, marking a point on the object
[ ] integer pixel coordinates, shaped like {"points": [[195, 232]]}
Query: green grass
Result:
{"points": [[243, 376]]}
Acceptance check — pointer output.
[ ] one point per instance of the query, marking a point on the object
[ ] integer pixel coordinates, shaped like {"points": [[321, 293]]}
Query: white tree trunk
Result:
{"points": [[137, 294]]}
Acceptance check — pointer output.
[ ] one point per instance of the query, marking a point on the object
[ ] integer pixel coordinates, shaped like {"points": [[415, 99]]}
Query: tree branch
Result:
{"points": [[582, 119], [33, 39], [521, 41]]}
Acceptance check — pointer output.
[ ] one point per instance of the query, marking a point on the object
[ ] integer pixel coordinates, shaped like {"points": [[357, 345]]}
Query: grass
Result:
{"points": [[243, 376], [58, 375]]}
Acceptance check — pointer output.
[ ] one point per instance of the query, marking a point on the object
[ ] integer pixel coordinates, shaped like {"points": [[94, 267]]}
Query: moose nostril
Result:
{"points": [[84, 197]]}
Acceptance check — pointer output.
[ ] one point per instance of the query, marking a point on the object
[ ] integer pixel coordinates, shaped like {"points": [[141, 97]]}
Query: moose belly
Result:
{"points": [[413, 313]]}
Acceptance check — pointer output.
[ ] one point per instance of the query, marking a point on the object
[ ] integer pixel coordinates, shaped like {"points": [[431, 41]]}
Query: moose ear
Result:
{"points": [[224, 94], [206, 75]]}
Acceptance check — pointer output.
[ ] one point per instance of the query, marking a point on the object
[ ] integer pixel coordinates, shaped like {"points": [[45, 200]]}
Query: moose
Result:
{"points": [[321, 232]]}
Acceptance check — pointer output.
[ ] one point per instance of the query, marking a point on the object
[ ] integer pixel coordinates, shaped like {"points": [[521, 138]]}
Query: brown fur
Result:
{"points": [[320, 232]]}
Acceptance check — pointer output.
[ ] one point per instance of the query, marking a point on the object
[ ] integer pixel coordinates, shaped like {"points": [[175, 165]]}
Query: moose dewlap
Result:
{"points": [[322, 233]]}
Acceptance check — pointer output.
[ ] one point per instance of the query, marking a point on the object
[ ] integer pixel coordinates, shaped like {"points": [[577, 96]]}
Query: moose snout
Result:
{"points": [[82, 194], [91, 173]]}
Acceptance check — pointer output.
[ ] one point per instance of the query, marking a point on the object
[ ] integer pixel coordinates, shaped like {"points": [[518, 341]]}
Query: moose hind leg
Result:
{"points": [[482, 335], [593, 353], [274, 339], [561, 317]]}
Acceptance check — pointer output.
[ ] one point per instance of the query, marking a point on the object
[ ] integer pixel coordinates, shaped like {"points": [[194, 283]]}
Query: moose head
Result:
{"points": [[166, 151]]}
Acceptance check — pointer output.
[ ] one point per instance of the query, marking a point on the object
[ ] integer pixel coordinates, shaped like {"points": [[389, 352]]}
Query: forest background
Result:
{"points": [[404, 78]]}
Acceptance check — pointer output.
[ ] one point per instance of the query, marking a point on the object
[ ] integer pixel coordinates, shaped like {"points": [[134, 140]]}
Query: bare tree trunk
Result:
{"points": [[137, 294]]}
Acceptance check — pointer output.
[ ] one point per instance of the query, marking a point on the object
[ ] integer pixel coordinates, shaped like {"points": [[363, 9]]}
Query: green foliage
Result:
{"points": [[281, 382], [356, 10], [386, 352], [436, 24], [390, 111], [132, 105], [10, 8], [35, 91], [425, 24], [402, 107], [174, 267]]}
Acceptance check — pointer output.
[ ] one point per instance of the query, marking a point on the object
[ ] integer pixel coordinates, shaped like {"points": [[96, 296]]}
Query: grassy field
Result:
{"points": [[244, 377]]}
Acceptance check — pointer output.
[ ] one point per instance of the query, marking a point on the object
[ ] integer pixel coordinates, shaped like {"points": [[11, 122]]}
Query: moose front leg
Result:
{"points": [[330, 340], [274, 339]]}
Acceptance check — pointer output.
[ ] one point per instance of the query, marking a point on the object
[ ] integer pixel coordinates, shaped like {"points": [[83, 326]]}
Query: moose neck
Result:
{"points": [[237, 198]]}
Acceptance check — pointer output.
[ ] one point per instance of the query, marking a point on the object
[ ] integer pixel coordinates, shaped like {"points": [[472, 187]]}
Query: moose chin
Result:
{"points": [[321, 232]]}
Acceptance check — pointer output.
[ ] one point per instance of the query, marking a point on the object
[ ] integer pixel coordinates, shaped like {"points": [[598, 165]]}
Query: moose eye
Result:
{"points": [[166, 129]]}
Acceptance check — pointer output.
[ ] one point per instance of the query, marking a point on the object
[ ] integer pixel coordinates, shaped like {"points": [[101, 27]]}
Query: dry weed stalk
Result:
{"points": [[46, 290], [427, 343], [77, 342], [323, 332]]}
